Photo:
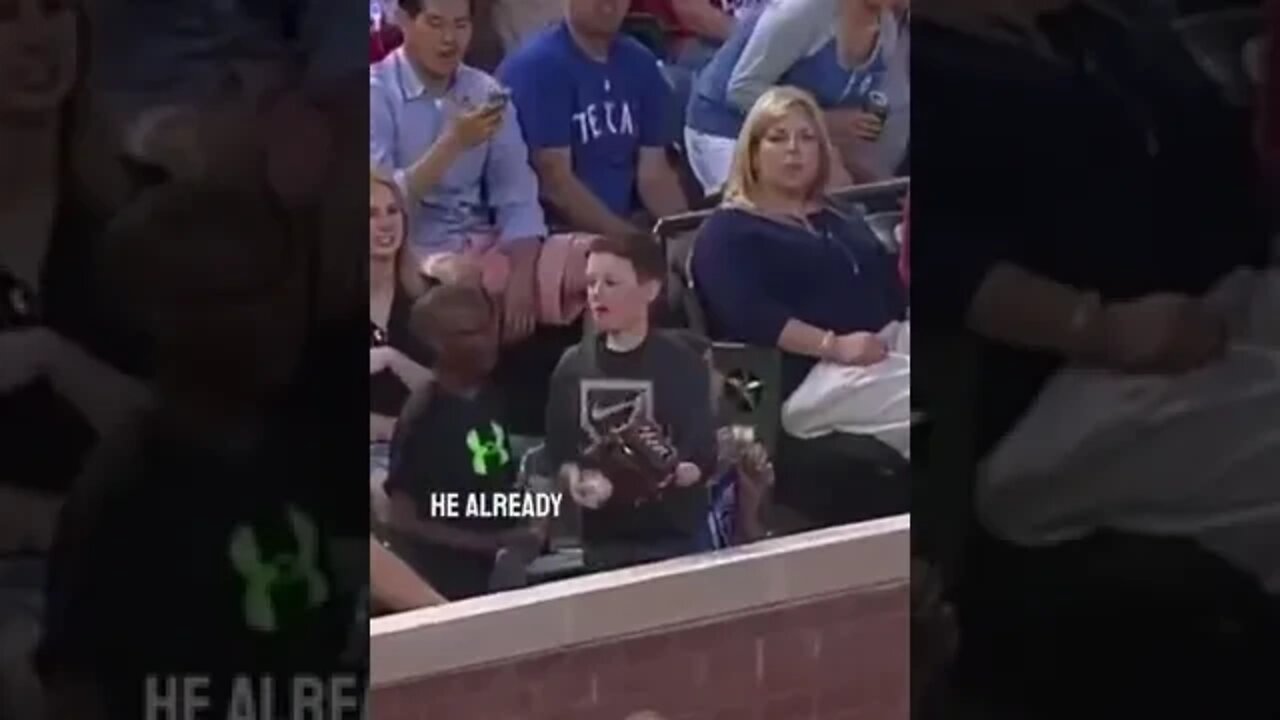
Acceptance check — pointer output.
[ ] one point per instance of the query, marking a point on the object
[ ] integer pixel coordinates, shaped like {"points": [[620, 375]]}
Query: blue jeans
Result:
{"points": [[379, 457], [680, 74]]}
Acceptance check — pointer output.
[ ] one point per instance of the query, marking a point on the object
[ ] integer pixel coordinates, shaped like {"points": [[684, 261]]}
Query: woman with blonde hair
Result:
{"points": [[397, 359], [776, 265]]}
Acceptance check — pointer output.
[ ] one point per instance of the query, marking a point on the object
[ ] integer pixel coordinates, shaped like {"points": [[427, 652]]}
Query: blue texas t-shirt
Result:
{"points": [[604, 112]]}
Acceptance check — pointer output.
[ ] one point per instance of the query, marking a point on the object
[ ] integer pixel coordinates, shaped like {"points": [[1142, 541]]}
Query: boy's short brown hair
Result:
{"points": [[641, 250]]}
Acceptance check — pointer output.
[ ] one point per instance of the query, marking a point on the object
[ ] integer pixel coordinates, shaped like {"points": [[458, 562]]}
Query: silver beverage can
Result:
{"points": [[878, 104]]}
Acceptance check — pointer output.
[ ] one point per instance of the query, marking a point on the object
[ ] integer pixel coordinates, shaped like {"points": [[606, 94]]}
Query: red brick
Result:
{"points": [[388, 704], [732, 664], [559, 683], [678, 672], [501, 703], [838, 658], [791, 660], [789, 706], [843, 698], [867, 638], [743, 711]]}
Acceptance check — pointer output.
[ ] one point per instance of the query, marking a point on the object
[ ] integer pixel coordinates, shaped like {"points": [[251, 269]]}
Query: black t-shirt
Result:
{"points": [[450, 443], [387, 392], [206, 558]]}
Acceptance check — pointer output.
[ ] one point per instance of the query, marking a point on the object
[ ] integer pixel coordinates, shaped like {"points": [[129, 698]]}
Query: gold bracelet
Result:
{"points": [[1084, 319], [824, 347]]}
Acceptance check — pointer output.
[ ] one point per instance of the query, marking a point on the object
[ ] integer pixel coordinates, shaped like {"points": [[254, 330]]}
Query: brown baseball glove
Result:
{"points": [[638, 460]]}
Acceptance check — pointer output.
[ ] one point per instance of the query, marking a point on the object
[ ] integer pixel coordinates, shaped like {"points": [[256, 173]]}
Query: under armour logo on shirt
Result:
{"points": [[488, 455], [269, 578]]}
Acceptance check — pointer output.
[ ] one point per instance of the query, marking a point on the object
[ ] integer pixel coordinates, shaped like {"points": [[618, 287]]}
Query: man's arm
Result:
{"points": [[418, 179], [658, 184], [784, 33], [512, 184], [580, 207]]}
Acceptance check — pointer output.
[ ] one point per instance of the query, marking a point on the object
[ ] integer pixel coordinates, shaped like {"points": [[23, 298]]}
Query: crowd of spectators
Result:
{"points": [[538, 187], [172, 312]]}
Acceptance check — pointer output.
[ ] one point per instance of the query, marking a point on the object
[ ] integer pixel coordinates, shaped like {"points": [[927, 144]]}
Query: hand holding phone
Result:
{"points": [[473, 127]]}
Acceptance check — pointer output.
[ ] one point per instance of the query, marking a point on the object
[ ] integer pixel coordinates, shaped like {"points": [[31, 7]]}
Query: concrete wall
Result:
{"points": [[812, 627]]}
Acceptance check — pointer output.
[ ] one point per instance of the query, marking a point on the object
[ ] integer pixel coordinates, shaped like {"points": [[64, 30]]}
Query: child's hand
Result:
{"points": [[755, 473], [687, 474], [588, 488]]}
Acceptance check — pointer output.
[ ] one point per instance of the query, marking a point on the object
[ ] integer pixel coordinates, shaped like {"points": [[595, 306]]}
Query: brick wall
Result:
{"points": [[839, 658]]}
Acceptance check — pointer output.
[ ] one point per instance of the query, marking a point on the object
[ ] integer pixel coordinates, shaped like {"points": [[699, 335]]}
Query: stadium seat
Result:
{"points": [[884, 224]]}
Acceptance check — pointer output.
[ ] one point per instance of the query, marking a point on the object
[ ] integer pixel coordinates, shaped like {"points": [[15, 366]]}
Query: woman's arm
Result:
{"points": [[801, 338], [101, 393], [405, 368], [1163, 333], [394, 585], [382, 428], [1019, 308]]}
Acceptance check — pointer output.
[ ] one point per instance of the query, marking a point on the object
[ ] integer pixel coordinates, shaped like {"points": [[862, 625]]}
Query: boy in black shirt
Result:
{"points": [[630, 370], [451, 443], [202, 551]]}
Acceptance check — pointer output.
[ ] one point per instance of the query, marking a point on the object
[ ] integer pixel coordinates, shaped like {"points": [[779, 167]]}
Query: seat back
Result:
{"points": [[884, 225], [750, 393]]}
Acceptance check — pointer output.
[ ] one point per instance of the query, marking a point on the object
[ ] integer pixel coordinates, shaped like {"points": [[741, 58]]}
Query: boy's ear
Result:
{"points": [[652, 288]]}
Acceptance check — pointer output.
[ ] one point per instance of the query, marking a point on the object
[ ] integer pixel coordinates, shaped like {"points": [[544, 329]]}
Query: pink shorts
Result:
{"points": [[561, 273]]}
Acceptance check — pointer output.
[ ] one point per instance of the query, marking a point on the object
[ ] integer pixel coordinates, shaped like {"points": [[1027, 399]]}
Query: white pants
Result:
{"points": [[1195, 455], [874, 400], [710, 158]]}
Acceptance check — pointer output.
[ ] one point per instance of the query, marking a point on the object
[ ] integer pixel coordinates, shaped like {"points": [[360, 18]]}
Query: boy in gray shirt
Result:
{"points": [[629, 370]]}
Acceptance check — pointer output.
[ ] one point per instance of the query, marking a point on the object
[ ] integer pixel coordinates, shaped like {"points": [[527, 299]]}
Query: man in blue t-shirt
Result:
{"points": [[594, 104]]}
